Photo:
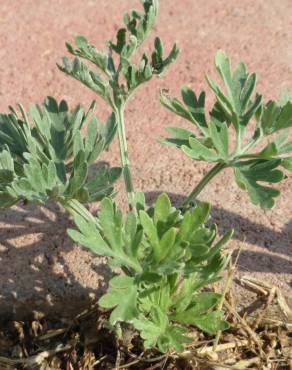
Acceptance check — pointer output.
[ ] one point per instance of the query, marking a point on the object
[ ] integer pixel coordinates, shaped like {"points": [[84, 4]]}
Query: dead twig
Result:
{"points": [[254, 337], [256, 285], [220, 366], [262, 313], [283, 305], [229, 280], [219, 348], [140, 359], [37, 359], [52, 333]]}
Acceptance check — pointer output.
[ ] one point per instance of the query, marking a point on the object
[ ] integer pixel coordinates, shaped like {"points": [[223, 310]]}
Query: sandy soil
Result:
{"points": [[38, 262]]}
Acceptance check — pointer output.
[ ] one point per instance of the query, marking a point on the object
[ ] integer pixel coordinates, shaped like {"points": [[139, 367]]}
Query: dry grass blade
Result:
{"points": [[255, 285], [284, 305], [253, 336], [277, 323], [221, 366], [52, 333], [37, 359], [140, 359], [270, 299], [227, 287], [224, 346]]}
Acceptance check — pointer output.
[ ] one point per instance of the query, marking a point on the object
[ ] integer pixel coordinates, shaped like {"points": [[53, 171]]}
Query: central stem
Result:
{"points": [[120, 114], [196, 191]]}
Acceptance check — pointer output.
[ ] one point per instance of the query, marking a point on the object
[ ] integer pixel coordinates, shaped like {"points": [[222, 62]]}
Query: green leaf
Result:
{"points": [[219, 136], [211, 323], [7, 200], [287, 163], [199, 305], [166, 243], [237, 104], [192, 220], [150, 231], [199, 151], [121, 41], [139, 201], [122, 296], [131, 226], [111, 222], [276, 117], [78, 176], [196, 106], [162, 208], [217, 247], [174, 105], [222, 64], [45, 153], [248, 174], [156, 330], [89, 237], [180, 136], [80, 71]]}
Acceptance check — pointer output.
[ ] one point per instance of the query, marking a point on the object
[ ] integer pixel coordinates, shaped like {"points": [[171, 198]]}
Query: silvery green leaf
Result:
{"points": [[249, 176], [89, 52], [210, 323], [46, 155], [199, 151], [196, 106], [287, 163], [156, 330], [180, 136], [122, 296], [162, 208], [89, 237], [219, 136], [78, 176], [158, 61], [276, 117]]}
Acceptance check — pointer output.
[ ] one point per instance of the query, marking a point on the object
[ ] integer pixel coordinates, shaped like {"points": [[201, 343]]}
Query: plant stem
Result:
{"points": [[125, 157], [76, 208], [196, 191]]}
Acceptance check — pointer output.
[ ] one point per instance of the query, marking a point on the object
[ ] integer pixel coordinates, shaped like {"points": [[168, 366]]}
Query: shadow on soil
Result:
{"points": [[33, 241]]}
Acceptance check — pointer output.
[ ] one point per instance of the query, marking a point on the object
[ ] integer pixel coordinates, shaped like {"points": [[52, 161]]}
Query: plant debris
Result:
{"points": [[259, 338]]}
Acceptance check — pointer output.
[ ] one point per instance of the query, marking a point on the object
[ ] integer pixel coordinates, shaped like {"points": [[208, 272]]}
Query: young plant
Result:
{"points": [[44, 157], [165, 257], [118, 76], [233, 114]]}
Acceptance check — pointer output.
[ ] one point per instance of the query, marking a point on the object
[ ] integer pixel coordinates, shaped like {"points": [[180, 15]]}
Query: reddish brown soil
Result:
{"points": [[37, 260]]}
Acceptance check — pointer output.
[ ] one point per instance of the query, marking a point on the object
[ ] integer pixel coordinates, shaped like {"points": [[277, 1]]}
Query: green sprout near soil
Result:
{"points": [[162, 257], [166, 256]]}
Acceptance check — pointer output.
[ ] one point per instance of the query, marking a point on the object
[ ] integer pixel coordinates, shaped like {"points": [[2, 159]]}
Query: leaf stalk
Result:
{"points": [[205, 180], [120, 116], [75, 208]]}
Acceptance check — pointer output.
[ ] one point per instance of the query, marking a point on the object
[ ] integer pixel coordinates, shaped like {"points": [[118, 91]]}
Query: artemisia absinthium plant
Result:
{"points": [[165, 255]]}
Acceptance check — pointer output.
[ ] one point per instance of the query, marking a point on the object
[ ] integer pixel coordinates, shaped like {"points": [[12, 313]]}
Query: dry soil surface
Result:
{"points": [[38, 262]]}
